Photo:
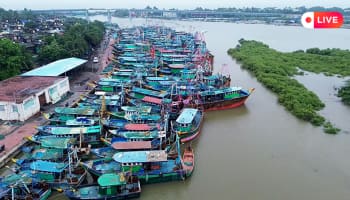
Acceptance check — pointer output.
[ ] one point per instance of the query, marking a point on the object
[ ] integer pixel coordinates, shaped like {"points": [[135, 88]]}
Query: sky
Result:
{"points": [[167, 4]]}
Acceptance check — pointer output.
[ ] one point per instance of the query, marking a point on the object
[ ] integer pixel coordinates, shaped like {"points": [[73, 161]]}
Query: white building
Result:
{"points": [[22, 96]]}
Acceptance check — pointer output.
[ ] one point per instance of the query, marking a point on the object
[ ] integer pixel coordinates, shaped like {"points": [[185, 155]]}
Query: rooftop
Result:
{"points": [[19, 88], [134, 145], [56, 68], [111, 180], [140, 156], [47, 166], [186, 116]]}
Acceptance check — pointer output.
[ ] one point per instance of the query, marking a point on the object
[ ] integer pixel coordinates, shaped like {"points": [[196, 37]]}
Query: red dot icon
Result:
{"points": [[308, 19]]}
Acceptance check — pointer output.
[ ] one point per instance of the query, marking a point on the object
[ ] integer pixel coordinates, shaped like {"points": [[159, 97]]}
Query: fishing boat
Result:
{"points": [[104, 152], [69, 131], [81, 121], [151, 166], [33, 191], [188, 124], [222, 99], [59, 175], [139, 93], [135, 114], [188, 161], [49, 154], [109, 186], [53, 142], [101, 166], [138, 134], [62, 114], [115, 123]]}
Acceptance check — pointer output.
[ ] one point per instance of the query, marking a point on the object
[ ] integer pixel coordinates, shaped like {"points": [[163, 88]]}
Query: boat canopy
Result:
{"points": [[220, 91], [138, 127], [141, 134], [132, 145], [140, 156], [187, 115], [75, 111], [140, 109], [149, 92], [106, 180], [63, 130], [176, 66], [56, 142], [46, 166], [157, 78], [152, 100]]}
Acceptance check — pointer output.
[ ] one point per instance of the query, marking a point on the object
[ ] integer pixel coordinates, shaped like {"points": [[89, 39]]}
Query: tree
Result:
{"points": [[13, 59], [52, 52]]}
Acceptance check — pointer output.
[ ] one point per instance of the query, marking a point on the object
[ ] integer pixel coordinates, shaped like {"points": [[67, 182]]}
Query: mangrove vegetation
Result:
{"points": [[344, 93], [276, 70]]}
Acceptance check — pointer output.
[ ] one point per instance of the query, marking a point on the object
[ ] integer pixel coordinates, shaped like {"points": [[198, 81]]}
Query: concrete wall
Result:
{"points": [[26, 109]]}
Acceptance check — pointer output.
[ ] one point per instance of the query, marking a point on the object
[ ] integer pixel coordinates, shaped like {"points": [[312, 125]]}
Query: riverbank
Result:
{"points": [[275, 70]]}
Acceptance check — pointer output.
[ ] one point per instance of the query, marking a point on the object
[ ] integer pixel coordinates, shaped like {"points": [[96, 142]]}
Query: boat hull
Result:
{"points": [[191, 137], [93, 195], [161, 178], [224, 105]]}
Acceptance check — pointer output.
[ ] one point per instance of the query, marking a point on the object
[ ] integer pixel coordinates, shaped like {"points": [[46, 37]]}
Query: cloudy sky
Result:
{"points": [[182, 4]]}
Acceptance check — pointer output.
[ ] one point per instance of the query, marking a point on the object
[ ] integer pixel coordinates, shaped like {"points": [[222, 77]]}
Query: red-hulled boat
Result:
{"points": [[188, 161]]}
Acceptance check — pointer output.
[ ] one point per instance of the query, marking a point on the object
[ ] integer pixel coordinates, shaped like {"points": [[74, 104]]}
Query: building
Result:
{"points": [[22, 96]]}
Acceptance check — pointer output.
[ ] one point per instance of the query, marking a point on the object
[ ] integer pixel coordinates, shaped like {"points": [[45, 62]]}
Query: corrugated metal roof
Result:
{"points": [[56, 68]]}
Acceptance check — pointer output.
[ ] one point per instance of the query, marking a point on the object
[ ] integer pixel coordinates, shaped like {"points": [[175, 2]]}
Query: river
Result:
{"points": [[260, 151]]}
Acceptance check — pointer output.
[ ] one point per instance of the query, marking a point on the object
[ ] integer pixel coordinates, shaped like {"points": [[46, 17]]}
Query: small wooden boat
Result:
{"points": [[188, 161], [109, 186]]}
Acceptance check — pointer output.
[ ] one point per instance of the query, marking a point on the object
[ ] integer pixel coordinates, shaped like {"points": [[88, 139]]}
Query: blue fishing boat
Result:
{"points": [[188, 125], [151, 166], [109, 186], [59, 175], [104, 152], [101, 166]]}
